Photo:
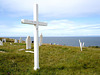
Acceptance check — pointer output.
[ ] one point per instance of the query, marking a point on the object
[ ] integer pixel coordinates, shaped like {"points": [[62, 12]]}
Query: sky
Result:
{"points": [[64, 17]]}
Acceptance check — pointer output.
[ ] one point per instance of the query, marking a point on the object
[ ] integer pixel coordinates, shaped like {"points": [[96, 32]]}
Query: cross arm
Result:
{"points": [[33, 22], [42, 24], [27, 21]]}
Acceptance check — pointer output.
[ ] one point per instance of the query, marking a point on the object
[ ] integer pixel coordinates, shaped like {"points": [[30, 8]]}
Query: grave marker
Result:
{"points": [[3, 40], [28, 42], [20, 40], [15, 41], [1, 43], [36, 23], [41, 39], [81, 45]]}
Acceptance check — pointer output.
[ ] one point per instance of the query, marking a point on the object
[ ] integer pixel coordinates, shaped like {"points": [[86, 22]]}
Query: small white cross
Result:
{"points": [[36, 42]]}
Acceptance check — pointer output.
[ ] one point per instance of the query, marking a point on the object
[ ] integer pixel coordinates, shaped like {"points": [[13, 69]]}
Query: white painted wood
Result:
{"points": [[33, 22], [36, 43], [81, 45], [28, 21], [36, 23], [29, 51]]}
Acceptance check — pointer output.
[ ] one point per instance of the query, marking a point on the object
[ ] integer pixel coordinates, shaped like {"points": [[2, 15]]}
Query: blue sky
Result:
{"points": [[64, 17]]}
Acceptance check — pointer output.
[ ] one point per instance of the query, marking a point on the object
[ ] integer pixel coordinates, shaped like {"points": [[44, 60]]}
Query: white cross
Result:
{"points": [[36, 42], [81, 45]]}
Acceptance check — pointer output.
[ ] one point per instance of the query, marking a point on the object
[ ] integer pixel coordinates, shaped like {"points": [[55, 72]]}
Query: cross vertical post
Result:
{"points": [[36, 42]]}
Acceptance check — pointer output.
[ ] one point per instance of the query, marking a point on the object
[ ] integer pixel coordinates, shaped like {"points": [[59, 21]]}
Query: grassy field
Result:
{"points": [[54, 60]]}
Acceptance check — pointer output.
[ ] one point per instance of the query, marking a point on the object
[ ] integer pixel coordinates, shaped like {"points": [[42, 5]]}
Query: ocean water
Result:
{"points": [[68, 41]]}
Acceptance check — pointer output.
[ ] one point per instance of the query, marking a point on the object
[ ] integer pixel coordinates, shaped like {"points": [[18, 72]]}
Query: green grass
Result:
{"points": [[54, 60]]}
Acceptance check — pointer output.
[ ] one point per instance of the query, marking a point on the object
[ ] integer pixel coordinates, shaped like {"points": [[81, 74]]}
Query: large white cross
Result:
{"points": [[36, 42]]}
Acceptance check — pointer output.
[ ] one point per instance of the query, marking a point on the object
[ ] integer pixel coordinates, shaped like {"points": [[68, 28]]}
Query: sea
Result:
{"points": [[68, 41]]}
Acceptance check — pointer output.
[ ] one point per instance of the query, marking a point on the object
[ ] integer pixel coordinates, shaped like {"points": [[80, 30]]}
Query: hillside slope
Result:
{"points": [[54, 60]]}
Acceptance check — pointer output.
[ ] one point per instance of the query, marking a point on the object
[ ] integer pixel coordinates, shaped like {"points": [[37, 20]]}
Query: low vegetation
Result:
{"points": [[94, 46], [7, 39], [54, 60]]}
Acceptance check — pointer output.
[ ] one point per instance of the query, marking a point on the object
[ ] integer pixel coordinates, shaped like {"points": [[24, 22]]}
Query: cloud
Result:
{"points": [[54, 28], [54, 8], [69, 28]]}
